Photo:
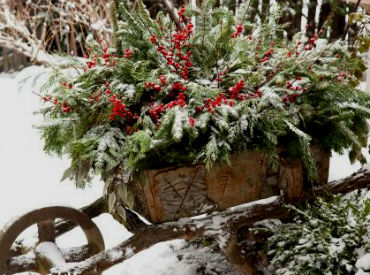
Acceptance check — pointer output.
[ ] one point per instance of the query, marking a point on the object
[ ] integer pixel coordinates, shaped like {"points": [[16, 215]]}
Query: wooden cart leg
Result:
{"points": [[242, 251]]}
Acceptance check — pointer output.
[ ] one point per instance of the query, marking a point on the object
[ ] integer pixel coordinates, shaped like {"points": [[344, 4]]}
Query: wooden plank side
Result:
{"points": [[238, 183]]}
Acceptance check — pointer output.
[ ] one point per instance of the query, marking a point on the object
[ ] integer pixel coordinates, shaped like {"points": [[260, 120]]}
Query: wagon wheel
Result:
{"points": [[45, 218]]}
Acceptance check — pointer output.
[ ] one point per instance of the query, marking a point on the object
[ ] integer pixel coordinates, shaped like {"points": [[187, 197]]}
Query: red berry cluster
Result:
{"points": [[163, 79], [66, 108], [46, 98], [309, 46], [119, 109], [108, 91], [210, 103], [234, 95], [181, 11], [295, 91], [177, 54], [153, 86], [341, 76], [239, 29], [311, 43], [127, 53], [108, 58], [191, 121], [64, 84], [178, 86], [234, 91], [220, 76], [267, 55], [157, 109]]}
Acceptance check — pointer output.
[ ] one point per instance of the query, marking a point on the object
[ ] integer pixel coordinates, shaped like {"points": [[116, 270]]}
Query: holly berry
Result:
{"points": [[191, 121], [127, 53]]}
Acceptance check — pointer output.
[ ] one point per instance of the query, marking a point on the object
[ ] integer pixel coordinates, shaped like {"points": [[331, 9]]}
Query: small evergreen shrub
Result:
{"points": [[326, 237], [195, 91]]}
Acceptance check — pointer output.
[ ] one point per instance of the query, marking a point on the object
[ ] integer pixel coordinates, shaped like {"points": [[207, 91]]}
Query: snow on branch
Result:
{"points": [[219, 225], [34, 30]]}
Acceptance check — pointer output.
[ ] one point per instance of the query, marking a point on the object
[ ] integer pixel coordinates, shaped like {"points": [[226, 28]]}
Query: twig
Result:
{"points": [[348, 25], [171, 11]]}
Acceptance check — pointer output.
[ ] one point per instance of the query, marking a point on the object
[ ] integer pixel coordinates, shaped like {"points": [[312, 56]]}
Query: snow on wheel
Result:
{"points": [[47, 253]]}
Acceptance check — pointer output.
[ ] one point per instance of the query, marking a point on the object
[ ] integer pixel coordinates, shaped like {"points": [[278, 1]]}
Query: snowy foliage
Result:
{"points": [[327, 237], [202, 90]]}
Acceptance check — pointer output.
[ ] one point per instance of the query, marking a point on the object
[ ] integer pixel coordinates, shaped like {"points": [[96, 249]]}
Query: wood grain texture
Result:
{"points": [[172, 193]]}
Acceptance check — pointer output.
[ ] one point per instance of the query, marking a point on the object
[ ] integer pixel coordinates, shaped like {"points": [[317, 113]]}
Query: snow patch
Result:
{"points": [[52, 252], [364, 262]]}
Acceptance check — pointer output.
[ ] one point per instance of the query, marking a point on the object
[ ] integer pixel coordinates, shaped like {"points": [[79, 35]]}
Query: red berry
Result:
{"points": [[177, 86], [163, 79], [191, 121]]}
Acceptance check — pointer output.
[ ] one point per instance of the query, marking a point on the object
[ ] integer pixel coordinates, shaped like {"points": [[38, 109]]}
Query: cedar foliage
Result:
{"points": [[244, 90], [326, 237]]}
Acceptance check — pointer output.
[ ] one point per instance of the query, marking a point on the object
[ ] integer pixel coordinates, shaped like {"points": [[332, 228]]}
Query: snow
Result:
{"points": [[259, 202], [51, 251], [181, 118], [30, 180], [361, 272], [364, 262], [98, 25]]}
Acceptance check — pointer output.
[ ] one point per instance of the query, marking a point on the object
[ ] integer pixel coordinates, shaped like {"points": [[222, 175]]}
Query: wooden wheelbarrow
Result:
{"points": [[223, 226]]}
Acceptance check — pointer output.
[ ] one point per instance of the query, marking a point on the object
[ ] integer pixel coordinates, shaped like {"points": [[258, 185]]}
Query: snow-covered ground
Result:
{"points": [[30, 179]]}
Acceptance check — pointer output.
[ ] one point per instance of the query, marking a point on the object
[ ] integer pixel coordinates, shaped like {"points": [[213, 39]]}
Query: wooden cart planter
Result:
{"points": [[164, 196]]}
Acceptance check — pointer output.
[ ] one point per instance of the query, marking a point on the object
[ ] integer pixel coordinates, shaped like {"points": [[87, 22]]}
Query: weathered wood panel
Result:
{"points": [[238, 183], [172, 193]]}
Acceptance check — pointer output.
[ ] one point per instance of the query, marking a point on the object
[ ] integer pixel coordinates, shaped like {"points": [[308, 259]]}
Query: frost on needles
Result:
{"points": [[194, 91]]}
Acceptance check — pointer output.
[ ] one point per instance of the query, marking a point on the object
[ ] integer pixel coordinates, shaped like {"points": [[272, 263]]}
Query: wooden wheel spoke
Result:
{"points": [[46, 230], [45, 220]]}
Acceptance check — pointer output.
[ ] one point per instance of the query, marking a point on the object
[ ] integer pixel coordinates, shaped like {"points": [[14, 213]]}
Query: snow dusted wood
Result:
{"points": [[28, 262], [167, 194], [358, 180], [48, 255], [220, 225], [44, 218], [92, 210]]}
